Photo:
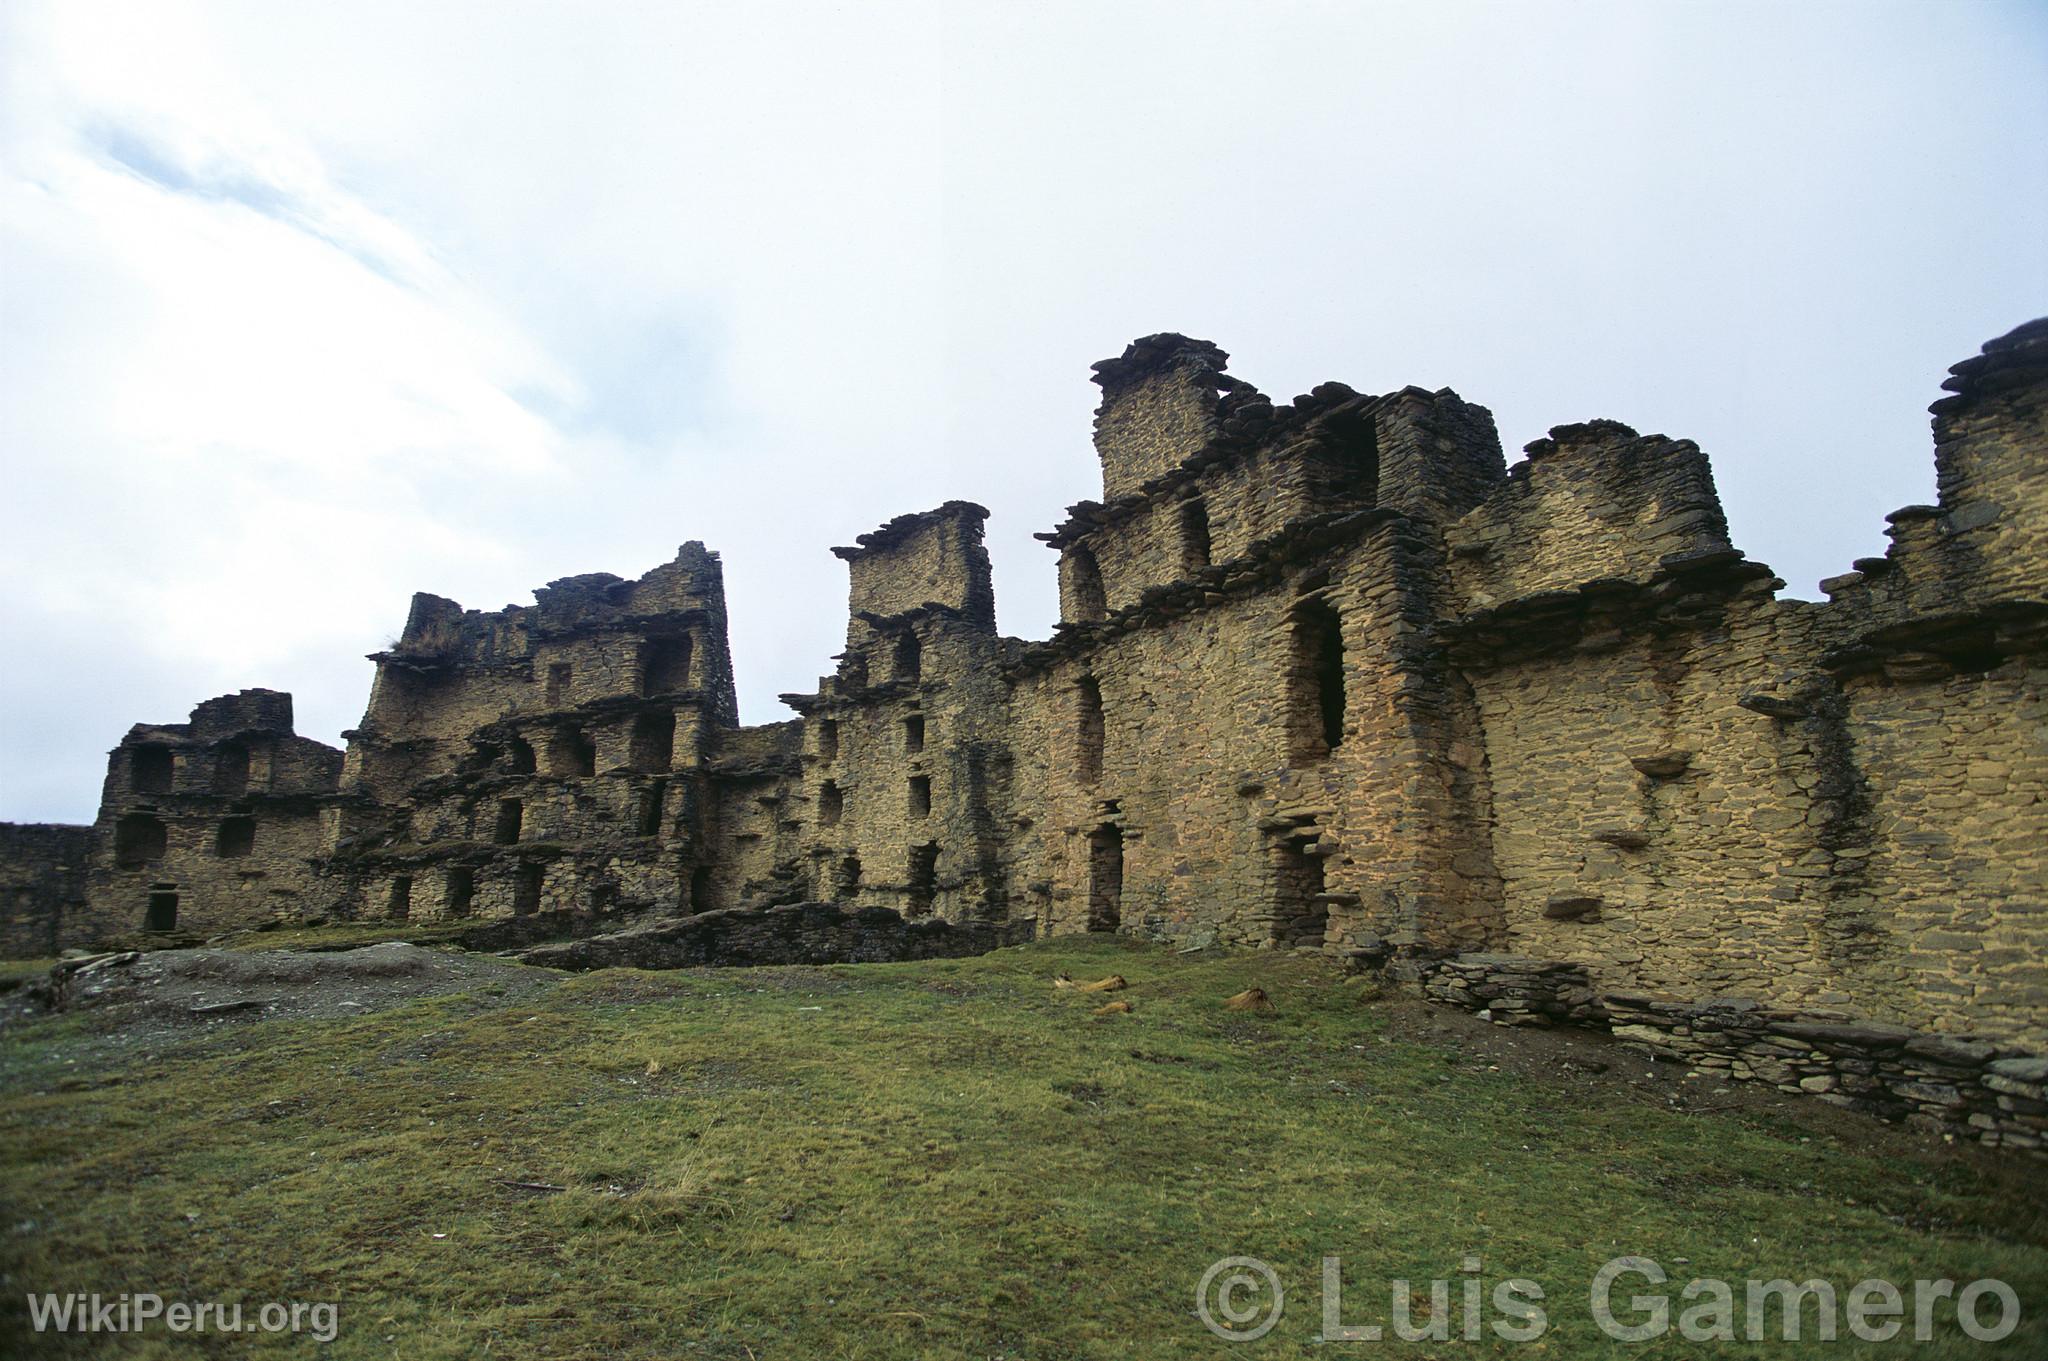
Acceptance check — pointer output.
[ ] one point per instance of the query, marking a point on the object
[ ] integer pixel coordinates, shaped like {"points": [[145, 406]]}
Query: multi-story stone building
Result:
{"points": [[1330, 674]]}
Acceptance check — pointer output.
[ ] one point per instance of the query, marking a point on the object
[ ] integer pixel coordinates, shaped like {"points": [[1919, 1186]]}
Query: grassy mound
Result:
{"points": [[945, 1159]]}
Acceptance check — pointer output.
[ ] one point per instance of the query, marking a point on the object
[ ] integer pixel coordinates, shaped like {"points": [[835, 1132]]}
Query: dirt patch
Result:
{"points": [[205, 987]]}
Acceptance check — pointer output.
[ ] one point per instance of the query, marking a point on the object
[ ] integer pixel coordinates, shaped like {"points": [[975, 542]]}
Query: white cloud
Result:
{"points": [[308, 308]]}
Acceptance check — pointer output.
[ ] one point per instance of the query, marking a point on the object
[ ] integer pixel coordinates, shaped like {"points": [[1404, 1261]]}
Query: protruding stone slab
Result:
{"points": [[1572, 907], [1662, 765]]}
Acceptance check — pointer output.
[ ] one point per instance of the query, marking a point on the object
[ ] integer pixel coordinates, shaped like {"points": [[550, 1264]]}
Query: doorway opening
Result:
{"points": [[526, 885], [1105, 878], [924, 879], [1301, 916], [461, 890]]}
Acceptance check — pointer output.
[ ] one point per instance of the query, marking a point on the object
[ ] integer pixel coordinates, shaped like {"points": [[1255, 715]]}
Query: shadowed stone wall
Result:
{"points": [[210, 823], [43, 869]]}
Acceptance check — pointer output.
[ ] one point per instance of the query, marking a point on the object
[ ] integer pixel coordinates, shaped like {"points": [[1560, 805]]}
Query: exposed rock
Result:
{"points": [[799, 933], [206, 985]]}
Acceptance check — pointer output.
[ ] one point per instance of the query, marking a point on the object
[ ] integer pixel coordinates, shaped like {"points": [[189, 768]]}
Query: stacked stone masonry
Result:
{"points": [[1330, 675], [1948, 1083]]}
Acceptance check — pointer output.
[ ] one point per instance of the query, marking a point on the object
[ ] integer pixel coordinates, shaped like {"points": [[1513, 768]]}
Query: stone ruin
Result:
{"points": [[1330, 675]]}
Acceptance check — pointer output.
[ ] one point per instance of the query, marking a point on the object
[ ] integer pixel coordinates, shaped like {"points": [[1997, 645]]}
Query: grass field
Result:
{"points": [[943, 1159]]}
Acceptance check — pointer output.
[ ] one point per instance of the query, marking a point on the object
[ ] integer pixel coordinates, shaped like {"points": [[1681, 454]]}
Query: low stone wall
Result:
{"points": [[508, 934], [43, 869], [1957, 1084], [798, 933]]}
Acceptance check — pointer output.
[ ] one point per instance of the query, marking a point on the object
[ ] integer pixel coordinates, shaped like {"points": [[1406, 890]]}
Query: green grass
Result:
{"points": [[943, 1159], [15, 973]]}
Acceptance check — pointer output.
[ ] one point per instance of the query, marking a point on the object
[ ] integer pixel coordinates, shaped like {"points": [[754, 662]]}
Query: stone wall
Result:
{"points": [[1329, 676], [209, 824], [794, 933], [1954, 770], [905, 757], [1592, 502], [552, 757], [1696, 786], [1234, 815], [1957, 1083], [1159, 403], [933, 558], [43, 869]]}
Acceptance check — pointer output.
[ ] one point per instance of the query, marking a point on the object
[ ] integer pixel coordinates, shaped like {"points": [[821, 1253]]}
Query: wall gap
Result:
{"points": [[572, 753], [1316, 700], [1105, 878], [139, 839], [924, 879], [236, 837], [461, 890], [231, 768], [526, 886], [654, 741], [665, 665], [652, 801], [1086, 597], [909, 661], [1089, 730], [1301, 917], [1194, 536], [151, 769]]}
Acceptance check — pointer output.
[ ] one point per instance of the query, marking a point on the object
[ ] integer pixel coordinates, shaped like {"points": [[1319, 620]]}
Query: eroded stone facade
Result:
{"points": [[1330, 675], [216, 822]]}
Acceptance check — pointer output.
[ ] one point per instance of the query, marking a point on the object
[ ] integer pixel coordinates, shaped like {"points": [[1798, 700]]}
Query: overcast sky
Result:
{"points": [[307, 307]]}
